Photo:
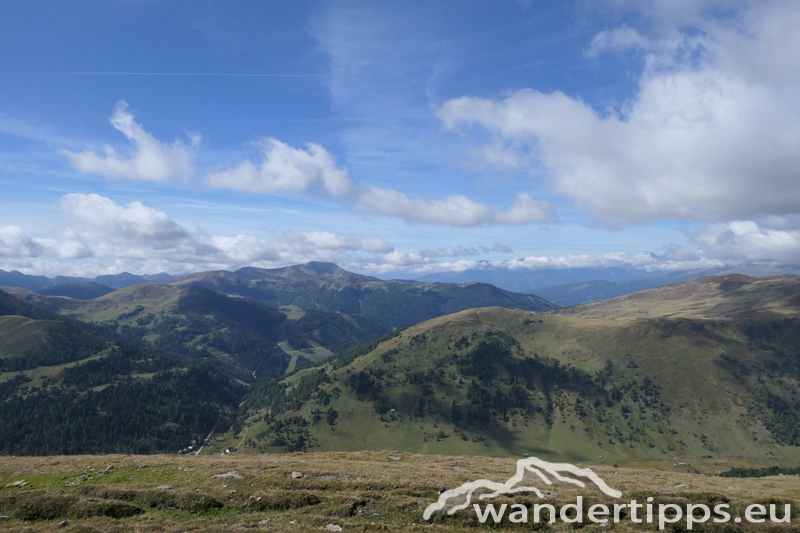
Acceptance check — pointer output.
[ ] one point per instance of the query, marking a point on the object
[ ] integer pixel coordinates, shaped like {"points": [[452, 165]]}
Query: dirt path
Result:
{"points": [[243, 437]]}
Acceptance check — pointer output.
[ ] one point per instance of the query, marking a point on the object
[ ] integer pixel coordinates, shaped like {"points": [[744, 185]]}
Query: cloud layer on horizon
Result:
{"points": [[102, 237]]}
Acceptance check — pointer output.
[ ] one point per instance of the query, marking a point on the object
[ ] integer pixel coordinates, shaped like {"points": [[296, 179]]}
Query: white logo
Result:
{"points": [[456, 499]]}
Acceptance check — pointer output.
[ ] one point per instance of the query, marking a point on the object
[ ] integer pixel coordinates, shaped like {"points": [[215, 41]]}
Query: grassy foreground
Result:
{"points": [[362, 491]]}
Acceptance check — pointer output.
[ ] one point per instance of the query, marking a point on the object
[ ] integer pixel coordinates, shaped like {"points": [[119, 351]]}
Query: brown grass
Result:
{"points": [[364, 491]]}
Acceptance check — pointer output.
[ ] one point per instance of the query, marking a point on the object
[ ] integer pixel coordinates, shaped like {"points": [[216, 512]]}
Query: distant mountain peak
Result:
{"points": [[326, 270], [316, 270]]}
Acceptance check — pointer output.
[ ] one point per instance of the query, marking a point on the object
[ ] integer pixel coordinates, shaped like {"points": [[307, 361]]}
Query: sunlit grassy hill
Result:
{"points": [[707, 367]]}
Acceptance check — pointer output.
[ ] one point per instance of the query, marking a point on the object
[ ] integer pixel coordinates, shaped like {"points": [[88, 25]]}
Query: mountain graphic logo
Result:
{"points": [[459, 498]]}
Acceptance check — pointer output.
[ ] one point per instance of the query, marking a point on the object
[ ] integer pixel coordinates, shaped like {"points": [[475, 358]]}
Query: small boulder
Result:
{"points": [[297, 475], [21, 483], [164, 487], [394, 457], [333, 527], [681, 486], [232, 474]]}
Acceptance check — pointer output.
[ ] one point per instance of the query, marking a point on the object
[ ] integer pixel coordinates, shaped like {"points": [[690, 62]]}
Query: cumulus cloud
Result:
{"points": [[109, 238], [152, 160], [112, 238], [710, 135], [133, 231], [286, 169], [745, 240], [134, 237], [14, 242], [453, 210], [133, 223]]}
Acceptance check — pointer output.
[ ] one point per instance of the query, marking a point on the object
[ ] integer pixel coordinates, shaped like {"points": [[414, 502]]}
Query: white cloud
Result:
{"points": [[327, 241], [393, 261], [152, 160], [292, 247], [449, 252], [14, 242], [617, 39], [745, 240], [286, 169], [711, 135], [134, 231], [111, 238], [453, 210], [644, 261], [132, 223]]}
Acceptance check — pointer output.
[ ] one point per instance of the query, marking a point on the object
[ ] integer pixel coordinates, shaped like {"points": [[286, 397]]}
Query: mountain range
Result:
{"points": [[571, 286], [115, 281], [390, 304], [561, 286], [705, 367], [180, 345], [312, 357]]}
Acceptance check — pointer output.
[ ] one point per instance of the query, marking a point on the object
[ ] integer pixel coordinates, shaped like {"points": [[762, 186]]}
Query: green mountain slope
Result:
{"points": [[12, 305], [702, 368], [116, 281], [590, 291], [389, 304], [79, 291], [71, 387], [247, 339]]}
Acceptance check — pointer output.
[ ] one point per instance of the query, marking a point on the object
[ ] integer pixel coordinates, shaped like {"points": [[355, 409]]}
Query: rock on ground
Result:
{"points": [[232, 474]]}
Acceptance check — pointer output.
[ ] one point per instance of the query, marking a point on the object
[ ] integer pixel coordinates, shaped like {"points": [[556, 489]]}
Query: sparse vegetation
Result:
{"points": [[362, 491]]}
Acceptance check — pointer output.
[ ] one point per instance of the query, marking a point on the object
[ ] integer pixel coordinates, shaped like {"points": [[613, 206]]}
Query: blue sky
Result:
{"points": [[398, 139]]}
